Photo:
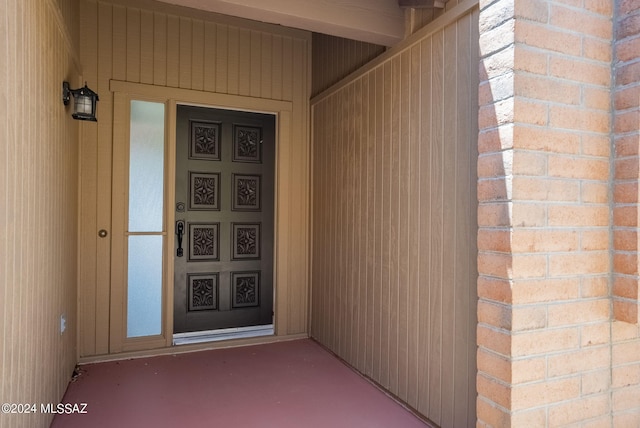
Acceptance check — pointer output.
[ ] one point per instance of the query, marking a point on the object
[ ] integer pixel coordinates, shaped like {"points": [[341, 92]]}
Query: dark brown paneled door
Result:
{"points": [[224, 219]]}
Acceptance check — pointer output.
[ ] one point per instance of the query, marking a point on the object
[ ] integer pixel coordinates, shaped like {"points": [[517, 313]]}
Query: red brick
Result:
{"points": [[526, 111], [496, 366], [628, 26], [626, 352], [572, 313], [532, 343], [579, 410], [541, 36], [602, 7], [499, 113], [628, 73], [494, 340], [625, 263], [627, 50], [497, 38], [627, 168], [626, 192], [593, 240], [528, 318], [626, 287], [544, 290], [494, 314], [625, 399], [532, 11], [529, 163], [546, 139], [628, 6], [538, 189], [528, 214], [626, 310], [498, 392], [594, 335], [495, 15], [491, 415], [599, 50], [594, 192], [628, 98], [544, 240], [494, 189], [578, 119], [539, 394], [596, 382], [595, 286], [596, 145], [547, 89], [575, 167], [528, 370], [578, 215], [493, 165], [494, 214], [495, 289], [497, 64], [494, 240], [495, 139], [579, 70], [625, 216], [581, 21], [627, 122], [586, 262], [624, 376], [512, 266], [531, 60], [625, 239], [627, 145], [597, 98]]}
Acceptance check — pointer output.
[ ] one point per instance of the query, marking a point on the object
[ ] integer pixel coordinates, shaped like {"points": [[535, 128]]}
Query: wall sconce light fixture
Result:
{"points": [[84, 102]]}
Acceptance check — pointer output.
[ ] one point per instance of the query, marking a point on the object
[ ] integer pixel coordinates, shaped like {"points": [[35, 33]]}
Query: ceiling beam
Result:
{"points": [[422, 4], [373, 21]]}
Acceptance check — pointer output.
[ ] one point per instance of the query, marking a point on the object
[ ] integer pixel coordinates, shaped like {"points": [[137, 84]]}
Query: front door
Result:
{"points": [[224, 219]]}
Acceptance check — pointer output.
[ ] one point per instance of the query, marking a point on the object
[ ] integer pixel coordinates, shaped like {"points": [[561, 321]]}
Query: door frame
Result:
{"points": [[124, 92]]}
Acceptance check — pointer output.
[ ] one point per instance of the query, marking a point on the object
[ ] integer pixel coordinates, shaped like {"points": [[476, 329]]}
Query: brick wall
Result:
{"points": [[626, 105], [544, 332]]}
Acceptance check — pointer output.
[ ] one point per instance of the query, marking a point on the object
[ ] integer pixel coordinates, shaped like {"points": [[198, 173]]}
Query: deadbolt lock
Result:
{"points": [[102, 233]]}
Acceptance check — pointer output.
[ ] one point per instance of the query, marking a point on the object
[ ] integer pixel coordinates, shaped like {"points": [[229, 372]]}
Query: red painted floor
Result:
{"points": [[287, 384]]}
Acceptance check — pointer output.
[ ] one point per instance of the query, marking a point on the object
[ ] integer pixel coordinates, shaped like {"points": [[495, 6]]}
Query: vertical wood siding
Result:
{"points": [[394, 222], [176, 47], [335, 57], [38, 205]]}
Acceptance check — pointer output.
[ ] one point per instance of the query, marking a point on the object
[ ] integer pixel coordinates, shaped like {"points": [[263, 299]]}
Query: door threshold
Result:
{"points": [[222, 334]]}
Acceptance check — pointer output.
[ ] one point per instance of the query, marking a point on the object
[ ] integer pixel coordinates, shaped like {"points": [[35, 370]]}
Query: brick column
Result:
{"points": [[627, 164], [543, 189], [625, 383]]}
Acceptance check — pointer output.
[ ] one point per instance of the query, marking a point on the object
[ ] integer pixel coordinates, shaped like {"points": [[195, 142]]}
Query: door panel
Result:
{"points": [[225, 206]]}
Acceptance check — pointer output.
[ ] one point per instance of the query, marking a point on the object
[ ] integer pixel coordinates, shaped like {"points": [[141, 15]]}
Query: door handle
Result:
{"points": [[180, 233]]}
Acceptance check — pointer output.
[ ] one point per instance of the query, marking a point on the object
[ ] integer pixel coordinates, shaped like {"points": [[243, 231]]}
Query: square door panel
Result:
{"points": [[204, 242], [245, 289], [204, 191], [203, 291], [245, 241], [247, 141], [246, 192], [204, 141]]}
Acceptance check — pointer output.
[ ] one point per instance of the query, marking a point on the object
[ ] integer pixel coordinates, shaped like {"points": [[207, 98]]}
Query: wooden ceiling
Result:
{"points": [[373, 21]]}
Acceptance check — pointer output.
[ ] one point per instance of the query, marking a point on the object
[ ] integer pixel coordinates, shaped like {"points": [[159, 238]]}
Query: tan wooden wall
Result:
{"points": [[157, 44], [335, 57], [394, 219], [38, 205]]}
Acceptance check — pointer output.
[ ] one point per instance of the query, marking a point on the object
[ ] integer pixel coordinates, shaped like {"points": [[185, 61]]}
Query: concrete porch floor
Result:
{"points": [[285, 384]]}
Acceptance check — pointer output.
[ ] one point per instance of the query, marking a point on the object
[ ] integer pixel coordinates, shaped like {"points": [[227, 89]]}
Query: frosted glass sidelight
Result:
{"points": [[144, 300], [146, 166]]}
